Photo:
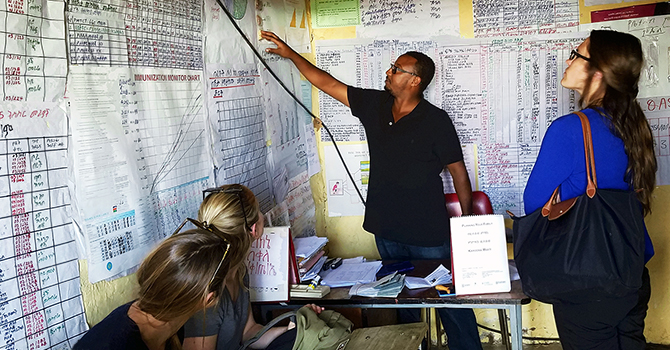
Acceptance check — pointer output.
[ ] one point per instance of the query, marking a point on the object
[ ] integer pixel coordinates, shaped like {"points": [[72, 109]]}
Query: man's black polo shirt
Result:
{"points": [[405, 201]]}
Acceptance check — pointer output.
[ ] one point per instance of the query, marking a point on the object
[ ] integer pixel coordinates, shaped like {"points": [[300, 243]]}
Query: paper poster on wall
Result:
{"points": [[219, 29], [158, 34], [657, 110], [335, 13], [343, 199], [40, 299], [287, 124], [236, 118], [628, 12], [653, 34], [413, 19], [287, 19], [492, 18], [34, 53], [267, 265], [140, 143], [479, 254]]}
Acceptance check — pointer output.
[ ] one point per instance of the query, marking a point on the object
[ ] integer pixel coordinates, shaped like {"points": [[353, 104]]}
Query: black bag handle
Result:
{"points": [[270, 324]]}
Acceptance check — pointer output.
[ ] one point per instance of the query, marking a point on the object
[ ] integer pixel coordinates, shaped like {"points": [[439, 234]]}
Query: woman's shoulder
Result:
{"points": [[116, 331], [571, 122]]}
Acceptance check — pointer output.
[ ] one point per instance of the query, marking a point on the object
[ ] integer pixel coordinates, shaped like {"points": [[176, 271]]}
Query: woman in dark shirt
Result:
{"points": [[604, 70], [184, 274]]}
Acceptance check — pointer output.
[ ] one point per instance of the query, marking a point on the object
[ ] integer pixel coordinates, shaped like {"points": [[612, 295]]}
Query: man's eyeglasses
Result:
{"points": [[395, 69], [237, 191], [210, 228], [574, 54]]}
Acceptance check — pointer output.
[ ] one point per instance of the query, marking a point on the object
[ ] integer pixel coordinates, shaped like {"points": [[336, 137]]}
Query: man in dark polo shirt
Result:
{"points": [[410, 141]]}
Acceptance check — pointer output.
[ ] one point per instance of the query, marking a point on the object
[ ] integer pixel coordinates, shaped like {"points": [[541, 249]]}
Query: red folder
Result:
{"points": [[293, 276]]}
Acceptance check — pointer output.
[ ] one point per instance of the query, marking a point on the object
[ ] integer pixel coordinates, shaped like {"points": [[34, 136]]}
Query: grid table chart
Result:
{"points": [[40, 298], [493, 18], [34, 59], [242, 143], [136, 33]]}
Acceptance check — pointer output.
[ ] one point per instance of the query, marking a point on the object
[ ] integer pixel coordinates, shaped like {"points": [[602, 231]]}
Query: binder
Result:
{"points": [[293, 275]]}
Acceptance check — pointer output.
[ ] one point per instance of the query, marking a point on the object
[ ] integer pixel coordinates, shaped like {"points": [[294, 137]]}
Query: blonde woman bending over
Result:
{"points": [[233, 209]]}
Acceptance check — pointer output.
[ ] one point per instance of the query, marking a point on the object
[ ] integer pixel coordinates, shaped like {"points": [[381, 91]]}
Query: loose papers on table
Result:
{"points": [[388, 286], [440, 276], [349, 274]]}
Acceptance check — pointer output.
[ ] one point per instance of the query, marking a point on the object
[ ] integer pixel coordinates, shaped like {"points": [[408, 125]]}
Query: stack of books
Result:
{"points": [[310, 256]]}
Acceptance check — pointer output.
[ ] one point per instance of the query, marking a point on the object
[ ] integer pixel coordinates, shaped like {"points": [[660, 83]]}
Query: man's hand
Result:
{"points": [[282, 49], [322, 80]]}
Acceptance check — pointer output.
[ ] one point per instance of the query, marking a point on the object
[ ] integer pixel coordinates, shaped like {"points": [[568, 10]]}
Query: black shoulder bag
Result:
{"points": [[583, 249]]}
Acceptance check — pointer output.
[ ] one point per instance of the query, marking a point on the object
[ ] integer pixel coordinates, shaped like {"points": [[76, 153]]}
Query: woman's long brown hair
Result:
{"points": [[619, 57], [176, 277]]}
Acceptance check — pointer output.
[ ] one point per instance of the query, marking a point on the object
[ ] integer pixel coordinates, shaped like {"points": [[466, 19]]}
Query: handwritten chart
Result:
{"points": [[136, 33], [501, 95], [381, 18], [657, 110], [140, 142], [40, 299], [34, 59], [236, 117], [522, 17]]}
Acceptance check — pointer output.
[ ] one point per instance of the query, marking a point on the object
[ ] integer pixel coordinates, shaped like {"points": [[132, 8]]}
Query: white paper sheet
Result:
{"points": [[479, 254], [140, 159], [349, 274], [136, 34], [524, 17], [40, 298], [236, 118], [653, 34], [343, 199], [439, 276], [657, 110], [381, 19], [34, 54]]}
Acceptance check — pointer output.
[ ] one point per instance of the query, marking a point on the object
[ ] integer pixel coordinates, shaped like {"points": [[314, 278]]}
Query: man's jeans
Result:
{"points": [[459, 324]]}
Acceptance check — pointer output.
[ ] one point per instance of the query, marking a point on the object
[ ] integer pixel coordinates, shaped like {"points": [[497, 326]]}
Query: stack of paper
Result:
{"points": [[440, 276], [312, 272], [387, 287], [351, 273], [305, 247], [310, 256]]}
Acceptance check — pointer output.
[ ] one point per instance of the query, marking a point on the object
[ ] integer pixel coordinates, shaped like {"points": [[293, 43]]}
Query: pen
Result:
{"points": [[315, 282]]}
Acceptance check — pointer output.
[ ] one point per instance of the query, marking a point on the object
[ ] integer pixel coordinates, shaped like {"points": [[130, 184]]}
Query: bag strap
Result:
{"points": [[591, 181], [268, 326], [554, 208]]}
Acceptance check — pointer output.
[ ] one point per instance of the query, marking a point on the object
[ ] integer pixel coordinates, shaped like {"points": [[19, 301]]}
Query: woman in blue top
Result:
{"points": [[604, 70]]}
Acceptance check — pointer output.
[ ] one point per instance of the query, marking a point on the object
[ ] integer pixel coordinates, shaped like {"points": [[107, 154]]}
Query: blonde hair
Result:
{"points": [[176, 277], [224, 211]]}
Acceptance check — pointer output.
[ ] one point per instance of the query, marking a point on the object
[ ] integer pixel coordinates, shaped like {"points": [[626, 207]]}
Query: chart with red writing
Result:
{"points": [[34, 59], [136, 33], [267, 265], [40, 297]]}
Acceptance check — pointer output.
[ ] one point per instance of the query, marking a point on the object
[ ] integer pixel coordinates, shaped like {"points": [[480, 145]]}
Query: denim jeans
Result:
{"points": [[459, 324]]}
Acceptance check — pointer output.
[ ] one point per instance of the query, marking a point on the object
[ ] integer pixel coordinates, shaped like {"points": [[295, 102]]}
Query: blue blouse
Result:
{"points": [[561, 161]]}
